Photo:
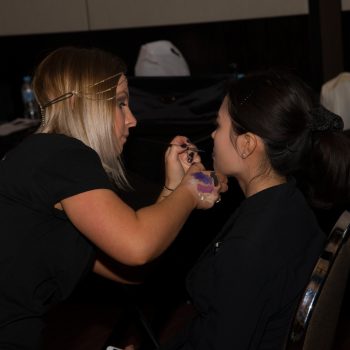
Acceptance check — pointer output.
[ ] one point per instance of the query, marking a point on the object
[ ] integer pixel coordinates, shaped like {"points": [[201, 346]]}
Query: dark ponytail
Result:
{"points": [[301, 137], [327, 177]]}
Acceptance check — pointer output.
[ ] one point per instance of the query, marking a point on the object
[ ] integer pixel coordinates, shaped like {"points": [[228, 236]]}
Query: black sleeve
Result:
{"points": [[69, 171]]}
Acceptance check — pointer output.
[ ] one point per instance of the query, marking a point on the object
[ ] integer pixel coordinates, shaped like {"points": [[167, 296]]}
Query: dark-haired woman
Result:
{"points": [[246, 284]]}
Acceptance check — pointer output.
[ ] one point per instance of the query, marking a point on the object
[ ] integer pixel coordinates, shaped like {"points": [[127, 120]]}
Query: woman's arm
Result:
{"points": [[113, 270], [110, 273], [136, 237]]}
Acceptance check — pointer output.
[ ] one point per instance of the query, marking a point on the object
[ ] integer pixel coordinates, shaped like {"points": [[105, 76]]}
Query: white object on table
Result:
{"points": [[16, 125]]}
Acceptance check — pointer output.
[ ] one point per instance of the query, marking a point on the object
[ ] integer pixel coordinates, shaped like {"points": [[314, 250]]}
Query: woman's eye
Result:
{"points": [[122, 104]]}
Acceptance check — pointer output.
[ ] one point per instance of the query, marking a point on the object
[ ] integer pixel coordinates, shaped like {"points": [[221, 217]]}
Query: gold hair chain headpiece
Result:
{"points": [[85, 94], [81, 93]]}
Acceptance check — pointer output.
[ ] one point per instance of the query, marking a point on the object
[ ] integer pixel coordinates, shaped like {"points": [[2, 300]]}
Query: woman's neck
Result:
{"points": [[261, 182]]}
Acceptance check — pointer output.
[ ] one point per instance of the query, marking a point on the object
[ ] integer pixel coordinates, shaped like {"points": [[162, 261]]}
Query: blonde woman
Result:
{"points": [[58, 193]]}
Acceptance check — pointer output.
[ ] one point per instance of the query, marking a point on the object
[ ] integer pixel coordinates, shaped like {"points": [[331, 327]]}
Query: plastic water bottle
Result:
{"points": [[31, 108]]}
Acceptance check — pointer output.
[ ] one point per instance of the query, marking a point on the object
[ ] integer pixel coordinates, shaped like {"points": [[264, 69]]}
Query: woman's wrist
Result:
{"points": [[189, 197], [168, 188], [166, 191]]}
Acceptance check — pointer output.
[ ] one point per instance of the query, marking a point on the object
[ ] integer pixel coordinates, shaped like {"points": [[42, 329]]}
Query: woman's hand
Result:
{"points": [[179, 156], [206, 186]]}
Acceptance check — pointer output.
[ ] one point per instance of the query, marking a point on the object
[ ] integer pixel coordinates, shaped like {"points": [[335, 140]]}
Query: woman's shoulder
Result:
{"points": [[41, 147], [48, 144], [54, 140], [278, 210], [275, 199]]}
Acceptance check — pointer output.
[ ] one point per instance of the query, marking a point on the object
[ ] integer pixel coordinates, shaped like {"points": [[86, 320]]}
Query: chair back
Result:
{"points": [[316, 318]]}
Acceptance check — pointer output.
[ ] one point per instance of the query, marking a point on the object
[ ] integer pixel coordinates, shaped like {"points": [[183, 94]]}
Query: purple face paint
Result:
{"points": [[203, 178]]}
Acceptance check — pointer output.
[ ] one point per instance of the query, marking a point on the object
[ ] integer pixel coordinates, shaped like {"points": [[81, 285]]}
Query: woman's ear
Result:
{"points": [[247, 144]]}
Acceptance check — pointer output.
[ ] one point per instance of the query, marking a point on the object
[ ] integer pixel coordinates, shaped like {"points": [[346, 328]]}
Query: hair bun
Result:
{"points": [[324, 120]]}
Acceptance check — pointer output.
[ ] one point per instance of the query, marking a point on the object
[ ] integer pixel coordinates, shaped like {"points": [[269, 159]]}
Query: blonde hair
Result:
{"points": [[88, 115]]}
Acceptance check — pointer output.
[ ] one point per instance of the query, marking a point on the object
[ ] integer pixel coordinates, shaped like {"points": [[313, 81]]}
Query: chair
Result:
{"points": [[315, 321]]}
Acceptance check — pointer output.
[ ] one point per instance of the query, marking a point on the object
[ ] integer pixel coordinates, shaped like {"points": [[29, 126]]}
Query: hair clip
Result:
{"points": [[59, 99]]}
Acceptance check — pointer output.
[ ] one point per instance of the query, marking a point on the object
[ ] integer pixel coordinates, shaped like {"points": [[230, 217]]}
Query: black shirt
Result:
{"points": [[42, 255], [246, 284]]}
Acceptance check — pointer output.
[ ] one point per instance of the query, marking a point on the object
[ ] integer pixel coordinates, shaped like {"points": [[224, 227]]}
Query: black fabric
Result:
{"points": [[246, 284], [164, 108], [177, 100], [42, 255]]}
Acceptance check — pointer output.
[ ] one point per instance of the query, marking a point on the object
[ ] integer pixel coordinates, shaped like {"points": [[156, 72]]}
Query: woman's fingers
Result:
{"points": [[187, 153], [196, 167], [173, 166]]}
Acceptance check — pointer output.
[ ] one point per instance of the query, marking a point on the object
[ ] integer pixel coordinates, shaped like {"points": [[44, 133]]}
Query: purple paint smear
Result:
{"points": [[203, 178], [205, 189]]}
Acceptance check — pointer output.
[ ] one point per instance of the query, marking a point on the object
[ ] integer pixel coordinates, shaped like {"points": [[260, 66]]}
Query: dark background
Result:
{"points": [[209, 48]]}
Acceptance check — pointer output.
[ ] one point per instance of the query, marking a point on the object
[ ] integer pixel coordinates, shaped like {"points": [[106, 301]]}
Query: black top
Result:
{"points": [[42, 255], [246, 284]]}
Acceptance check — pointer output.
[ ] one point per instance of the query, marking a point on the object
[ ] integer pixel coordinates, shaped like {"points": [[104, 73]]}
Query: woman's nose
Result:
{"points": [[131, 120]]}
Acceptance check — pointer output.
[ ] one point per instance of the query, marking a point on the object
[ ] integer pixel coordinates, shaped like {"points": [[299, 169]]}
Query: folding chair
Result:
{"points": [[316, 318]]}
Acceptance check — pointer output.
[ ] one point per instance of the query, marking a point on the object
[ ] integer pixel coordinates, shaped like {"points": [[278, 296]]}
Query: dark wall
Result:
{"points": [[209, 48], [346, 39]]}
